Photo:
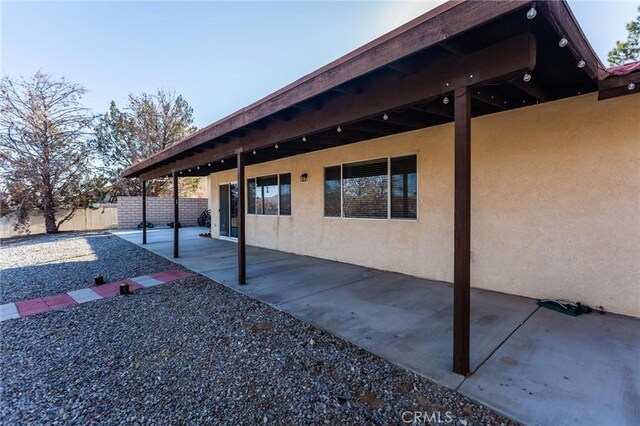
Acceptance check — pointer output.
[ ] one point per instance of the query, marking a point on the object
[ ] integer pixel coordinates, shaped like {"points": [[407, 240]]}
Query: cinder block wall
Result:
{"points": [[159, 211]]}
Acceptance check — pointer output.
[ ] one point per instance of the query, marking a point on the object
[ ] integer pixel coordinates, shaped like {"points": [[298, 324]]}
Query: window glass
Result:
{"points": [[267, 195], [332, 191], [285, 194], [365, 189], [251, 196], [404, 187]]}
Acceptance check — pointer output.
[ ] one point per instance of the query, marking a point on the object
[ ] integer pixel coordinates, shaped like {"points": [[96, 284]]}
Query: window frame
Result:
{"points": [[255, 179], [388, 218]]}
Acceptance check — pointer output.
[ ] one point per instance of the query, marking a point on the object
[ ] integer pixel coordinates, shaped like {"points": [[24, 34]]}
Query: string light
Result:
{"points": [[631, 86], [581, 63], [276, 146], [209, 164], [222, 161], [198, 167], [526, 77], [304, 139], [189, 170], [563, 42], [254, 152], [339, 129], [445, 100], [385, 117], [531, 13]]}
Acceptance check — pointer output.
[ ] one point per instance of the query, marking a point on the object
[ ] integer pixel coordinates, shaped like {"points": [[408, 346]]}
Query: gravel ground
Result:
{"points": [[39, 266], [192, 352]]}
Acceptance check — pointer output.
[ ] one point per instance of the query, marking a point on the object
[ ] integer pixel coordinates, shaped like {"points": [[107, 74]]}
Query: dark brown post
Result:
{"points": [[176, 228], [462, 233], [144, 212], [242, 261]]}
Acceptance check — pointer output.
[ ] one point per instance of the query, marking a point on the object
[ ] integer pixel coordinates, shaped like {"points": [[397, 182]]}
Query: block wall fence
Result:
{"points": [[159, 211]]}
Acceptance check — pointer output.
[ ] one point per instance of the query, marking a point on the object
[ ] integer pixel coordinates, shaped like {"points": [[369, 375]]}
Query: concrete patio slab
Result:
{"points": [[9, 311], [558, 369], [146, 281], [520, 354], [84, 295]]}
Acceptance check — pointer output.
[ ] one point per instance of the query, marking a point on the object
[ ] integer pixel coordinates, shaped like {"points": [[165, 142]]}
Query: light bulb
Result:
{"points": [[631, 86], [209, 164], [563, 42], [339, 129], [276, 146], [445, 100], [531, 13], [198, 167], [581, 63], [222, 161], [385, 117], [304, 139], [189, 170], [526, 77], [254, 152]]}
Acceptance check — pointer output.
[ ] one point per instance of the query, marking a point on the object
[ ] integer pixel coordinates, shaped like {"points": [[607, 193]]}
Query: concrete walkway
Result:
{"points": [[534, 365]]}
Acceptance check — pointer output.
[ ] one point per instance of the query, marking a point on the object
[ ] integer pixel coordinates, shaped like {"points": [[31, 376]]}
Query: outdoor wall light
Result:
{"points": [[563, 42], [304, 177], [631, 86], [526, 77], [531, 13], [581, 63]]}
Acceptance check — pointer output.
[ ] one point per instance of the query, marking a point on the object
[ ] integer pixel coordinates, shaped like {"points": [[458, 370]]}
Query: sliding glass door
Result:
{"points": [[229, 210]]}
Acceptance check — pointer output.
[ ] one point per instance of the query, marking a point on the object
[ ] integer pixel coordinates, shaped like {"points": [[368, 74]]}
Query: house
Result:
{"points": [[483, 144]]}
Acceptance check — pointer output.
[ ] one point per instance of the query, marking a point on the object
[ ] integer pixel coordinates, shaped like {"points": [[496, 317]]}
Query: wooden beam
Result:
{"points": [[176, 216], [429, 29], [501, 60], [532, 89], [617, 85], [144, 212], [462, 233], [489, 97], [558, 13], [242, 261]]}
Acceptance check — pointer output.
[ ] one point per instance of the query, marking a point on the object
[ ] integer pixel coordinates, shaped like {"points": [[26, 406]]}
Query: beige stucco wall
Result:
{"points": [[555, 204]]}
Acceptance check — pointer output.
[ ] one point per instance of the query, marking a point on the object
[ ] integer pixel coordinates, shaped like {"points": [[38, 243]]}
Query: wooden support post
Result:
{"points": [[462, 232], [242, 261], [144, 212], [176, 218]]}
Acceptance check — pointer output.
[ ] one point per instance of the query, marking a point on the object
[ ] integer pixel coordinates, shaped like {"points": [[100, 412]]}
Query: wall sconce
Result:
{"points": [[304, 177]]}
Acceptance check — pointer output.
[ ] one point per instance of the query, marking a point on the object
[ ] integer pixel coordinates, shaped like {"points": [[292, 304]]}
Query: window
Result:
{"points": [[377, 189], [269, 195], [404, 187], [285, 194], [364, 189], [332, 198]]}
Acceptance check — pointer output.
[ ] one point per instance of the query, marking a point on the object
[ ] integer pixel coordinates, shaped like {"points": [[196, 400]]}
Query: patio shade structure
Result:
{"points": [[458, 61]]}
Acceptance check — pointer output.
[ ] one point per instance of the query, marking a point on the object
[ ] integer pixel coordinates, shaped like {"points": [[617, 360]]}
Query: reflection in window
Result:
{"points": [[285, 194], [364, 189], [267, 195]]}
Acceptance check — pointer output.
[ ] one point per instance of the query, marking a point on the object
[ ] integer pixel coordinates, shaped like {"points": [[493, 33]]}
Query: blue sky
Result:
{"points": [[220, 56]]}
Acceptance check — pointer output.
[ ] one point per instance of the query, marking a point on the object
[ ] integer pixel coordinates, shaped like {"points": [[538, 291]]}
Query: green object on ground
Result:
{"points": [[565, 307]]}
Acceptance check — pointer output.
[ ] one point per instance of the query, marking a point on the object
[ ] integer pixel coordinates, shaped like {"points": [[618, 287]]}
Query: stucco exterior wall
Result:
{"points": [[555, 204]]}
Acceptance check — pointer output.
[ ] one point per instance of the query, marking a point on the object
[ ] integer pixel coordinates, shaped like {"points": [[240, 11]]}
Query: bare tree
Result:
{"points": [[148, 124], [44, 152]]}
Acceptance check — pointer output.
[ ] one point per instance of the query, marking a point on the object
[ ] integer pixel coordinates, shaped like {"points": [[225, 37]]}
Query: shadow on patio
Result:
{"points": [[534, 365]]}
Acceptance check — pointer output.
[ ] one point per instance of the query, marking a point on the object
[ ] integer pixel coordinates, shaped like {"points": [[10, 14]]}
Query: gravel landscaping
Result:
{"points": [[38, 266], [188, 352]]}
